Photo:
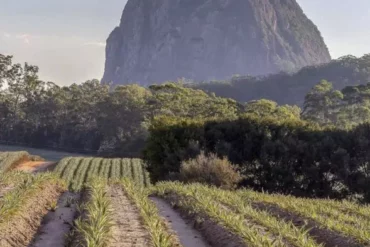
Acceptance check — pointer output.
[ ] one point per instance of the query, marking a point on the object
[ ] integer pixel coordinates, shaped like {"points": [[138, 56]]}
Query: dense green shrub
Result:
{"points": [[276, 155], [169, 144]]}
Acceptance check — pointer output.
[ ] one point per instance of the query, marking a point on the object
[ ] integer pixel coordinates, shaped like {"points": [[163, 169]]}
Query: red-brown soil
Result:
{"points": [[34, 166]]}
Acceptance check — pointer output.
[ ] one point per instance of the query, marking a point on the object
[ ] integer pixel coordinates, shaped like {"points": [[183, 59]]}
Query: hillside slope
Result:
{"points": [[291, 88]]}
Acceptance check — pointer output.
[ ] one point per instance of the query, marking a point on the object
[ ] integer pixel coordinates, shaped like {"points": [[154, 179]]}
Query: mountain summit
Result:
{"points": [[160, 40]]}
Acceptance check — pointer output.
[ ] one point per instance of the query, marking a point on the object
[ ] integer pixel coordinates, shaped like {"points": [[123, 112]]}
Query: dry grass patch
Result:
{"points": [[10, 160], [210, 170]]}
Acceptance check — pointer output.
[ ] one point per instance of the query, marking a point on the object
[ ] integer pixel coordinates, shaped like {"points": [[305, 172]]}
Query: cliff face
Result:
{"points": [[160, 40]]}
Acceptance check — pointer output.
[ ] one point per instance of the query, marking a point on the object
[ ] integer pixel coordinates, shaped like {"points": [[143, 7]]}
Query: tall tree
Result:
{"points": [[321, 103]]}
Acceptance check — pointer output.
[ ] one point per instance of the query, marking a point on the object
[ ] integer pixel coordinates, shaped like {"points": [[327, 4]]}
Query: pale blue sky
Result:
{"points": [[66, 38]]}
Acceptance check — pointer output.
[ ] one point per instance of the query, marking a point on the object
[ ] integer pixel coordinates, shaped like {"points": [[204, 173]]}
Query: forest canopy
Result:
{"points": [[91, 117]]}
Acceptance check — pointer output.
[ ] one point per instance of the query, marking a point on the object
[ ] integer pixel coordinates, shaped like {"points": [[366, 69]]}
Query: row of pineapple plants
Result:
{"points": [[77, 171]]}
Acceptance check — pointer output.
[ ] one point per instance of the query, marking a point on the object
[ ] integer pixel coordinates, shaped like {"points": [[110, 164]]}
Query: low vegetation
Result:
{"points": [[210, 170], [9, 180], [204, 209], [9, 160], [240, 217], [274, 154], [156, 226], [331, 217], [248, 215], [93, 227], [77, 171], [25, 188], [23, 206]]}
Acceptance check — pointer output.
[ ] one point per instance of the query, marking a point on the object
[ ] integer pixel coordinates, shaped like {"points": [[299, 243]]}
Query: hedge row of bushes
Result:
{"points": [[292, 156]]}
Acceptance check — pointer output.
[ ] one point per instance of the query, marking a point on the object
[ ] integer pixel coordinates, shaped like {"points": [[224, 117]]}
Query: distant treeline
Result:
{"points": [[285, 88], [91, 116]]}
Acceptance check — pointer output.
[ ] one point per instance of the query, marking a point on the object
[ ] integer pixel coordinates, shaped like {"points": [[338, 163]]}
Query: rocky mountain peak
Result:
{"points": [[161, 40]]}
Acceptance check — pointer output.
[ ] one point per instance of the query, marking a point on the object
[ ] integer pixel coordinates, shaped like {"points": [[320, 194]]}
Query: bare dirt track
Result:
{"points": [[35, 166], [128, 230], [187, 235], [56, 224]]}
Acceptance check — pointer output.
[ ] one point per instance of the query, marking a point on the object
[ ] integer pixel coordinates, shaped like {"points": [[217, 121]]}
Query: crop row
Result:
{"points": [[77, 171], [249, 215], [281, 229], [11, 180], [236, 214], [22, 207], [157, 228], [203, 205], [340, 217], [94, 225]]}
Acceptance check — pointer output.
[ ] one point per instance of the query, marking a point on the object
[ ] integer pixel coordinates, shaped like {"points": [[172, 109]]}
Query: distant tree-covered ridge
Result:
{"points": [[291, 88]]}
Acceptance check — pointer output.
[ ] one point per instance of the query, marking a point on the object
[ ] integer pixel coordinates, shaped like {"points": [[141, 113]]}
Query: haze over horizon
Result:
{"points": [[66, 39]]}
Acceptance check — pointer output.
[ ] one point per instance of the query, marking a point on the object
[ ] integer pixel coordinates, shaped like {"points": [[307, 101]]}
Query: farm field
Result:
{"points": [[77, 171], [123, 213], [257, 219], [93, 202]]}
